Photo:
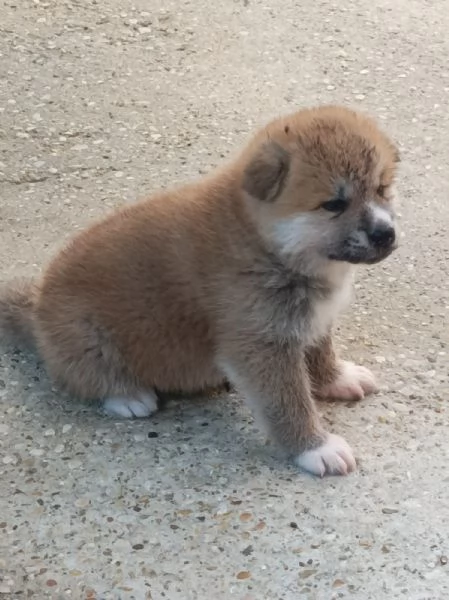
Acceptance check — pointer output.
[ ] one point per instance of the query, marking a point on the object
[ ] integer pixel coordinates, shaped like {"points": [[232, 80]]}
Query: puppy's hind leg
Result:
{"points": [[83, 359], [128, 407]]}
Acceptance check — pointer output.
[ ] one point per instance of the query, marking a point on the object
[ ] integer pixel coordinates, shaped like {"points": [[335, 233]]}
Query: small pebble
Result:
{"points": [[82, 502], [243, 575], [36, 452]]}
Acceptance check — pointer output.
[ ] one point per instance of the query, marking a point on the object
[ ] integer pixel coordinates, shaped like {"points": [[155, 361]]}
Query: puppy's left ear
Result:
{"points": [[266, 174]]}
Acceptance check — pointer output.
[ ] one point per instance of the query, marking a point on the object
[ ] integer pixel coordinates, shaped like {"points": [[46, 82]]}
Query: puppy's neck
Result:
{"points": [[334, 273], [328, 274]]}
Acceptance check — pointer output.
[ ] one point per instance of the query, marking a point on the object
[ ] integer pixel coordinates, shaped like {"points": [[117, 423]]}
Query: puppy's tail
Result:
{"points": [[17, 306]]}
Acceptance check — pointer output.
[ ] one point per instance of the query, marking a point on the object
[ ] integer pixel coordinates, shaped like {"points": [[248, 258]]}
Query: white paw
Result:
{"points": [[352, 383], [333, 457], [140, 406]]}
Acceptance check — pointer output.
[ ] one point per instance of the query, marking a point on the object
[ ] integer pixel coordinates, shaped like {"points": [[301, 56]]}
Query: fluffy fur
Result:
{"points": [[239, 276]]}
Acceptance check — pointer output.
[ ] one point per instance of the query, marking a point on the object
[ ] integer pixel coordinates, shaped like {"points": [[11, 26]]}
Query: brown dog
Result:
{"points": [[238, 277]]}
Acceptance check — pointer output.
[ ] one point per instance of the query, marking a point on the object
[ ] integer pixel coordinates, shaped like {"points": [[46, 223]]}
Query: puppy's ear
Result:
{"points": [[265, 175]]}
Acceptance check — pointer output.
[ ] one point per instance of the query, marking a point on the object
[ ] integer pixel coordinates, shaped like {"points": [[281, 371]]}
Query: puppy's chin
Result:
{"points": [[369, 256]]}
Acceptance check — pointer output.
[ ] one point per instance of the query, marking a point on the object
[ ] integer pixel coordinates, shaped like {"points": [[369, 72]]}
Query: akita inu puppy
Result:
{"points": [[238, 277]]}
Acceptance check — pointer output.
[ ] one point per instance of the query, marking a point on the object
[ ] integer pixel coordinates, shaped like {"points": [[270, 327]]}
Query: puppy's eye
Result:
{"points": [[381, 190], [338, 206]]}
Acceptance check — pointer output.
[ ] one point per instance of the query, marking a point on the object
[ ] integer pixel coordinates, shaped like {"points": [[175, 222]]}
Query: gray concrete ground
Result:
{"points": [[101, 102]]}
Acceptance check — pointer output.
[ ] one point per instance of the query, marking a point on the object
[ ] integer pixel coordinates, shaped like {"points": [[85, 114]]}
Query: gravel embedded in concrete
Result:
{"points": [[103, 102]]}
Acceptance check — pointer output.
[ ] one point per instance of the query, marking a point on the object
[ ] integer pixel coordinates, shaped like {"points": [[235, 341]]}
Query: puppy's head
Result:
{"points": [[320, 184]]}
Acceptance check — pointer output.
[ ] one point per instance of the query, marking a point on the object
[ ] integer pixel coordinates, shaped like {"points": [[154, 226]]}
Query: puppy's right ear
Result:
{"points": [[266, 174]]}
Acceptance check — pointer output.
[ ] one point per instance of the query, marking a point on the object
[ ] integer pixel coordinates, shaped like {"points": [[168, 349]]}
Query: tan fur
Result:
{"points": [[17, 302], [321, 364], [194, 285]]}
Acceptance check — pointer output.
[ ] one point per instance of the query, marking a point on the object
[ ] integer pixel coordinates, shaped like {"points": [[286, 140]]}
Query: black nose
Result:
{"points": [[382, 235]]}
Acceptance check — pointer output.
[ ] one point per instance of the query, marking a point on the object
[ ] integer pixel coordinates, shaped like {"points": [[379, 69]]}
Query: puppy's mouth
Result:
{"points": [[357, 255]]}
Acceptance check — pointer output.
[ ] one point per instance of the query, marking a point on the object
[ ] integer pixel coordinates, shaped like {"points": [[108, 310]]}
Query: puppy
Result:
{"points": [[238, 277]]}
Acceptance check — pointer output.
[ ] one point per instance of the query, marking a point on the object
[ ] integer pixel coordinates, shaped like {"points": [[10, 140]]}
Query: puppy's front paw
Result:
{"points": [[333, 457], [352, 383]]}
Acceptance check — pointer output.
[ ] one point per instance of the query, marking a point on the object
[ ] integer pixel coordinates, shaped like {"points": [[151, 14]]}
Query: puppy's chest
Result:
{"points": [[309, 311], [324, 310]]}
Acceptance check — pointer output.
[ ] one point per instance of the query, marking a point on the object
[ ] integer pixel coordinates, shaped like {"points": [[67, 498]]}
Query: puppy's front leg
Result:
{"points": [[273, 376], [332, 378]]}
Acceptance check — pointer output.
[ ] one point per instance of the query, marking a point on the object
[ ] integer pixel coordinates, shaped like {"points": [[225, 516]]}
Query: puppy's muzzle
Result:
{"points": [[382, 242], [367, 246], [382, 236]]}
